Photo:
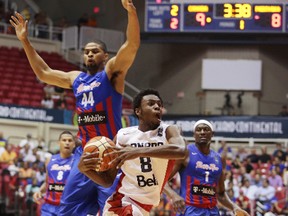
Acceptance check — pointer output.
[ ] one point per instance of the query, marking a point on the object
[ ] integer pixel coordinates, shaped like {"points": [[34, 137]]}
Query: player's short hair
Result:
{"points": [[65, 132], [102, 45], [138, 98]]}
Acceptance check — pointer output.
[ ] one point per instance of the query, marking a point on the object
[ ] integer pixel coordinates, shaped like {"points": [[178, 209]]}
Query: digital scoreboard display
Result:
{"points": [[216, 16]]}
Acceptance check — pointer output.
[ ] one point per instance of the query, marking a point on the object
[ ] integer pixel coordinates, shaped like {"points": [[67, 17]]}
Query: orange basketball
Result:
{"points": [[101, 144]]}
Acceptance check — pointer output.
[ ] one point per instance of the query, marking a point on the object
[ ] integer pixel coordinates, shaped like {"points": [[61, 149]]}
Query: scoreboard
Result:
{"points": [[249, 16]]}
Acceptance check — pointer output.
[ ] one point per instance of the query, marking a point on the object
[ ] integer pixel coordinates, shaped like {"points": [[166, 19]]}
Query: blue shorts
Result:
{"points": [[196, 211], [82, 196], [49, 210]]}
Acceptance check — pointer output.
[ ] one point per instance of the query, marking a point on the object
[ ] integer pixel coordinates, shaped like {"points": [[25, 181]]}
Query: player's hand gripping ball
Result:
{"points": [[102, 145]]}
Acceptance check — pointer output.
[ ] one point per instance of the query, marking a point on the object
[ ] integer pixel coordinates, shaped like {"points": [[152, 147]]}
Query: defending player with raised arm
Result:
{"points": [[202, 175], [146, 154], [57, 171], [98, 95]]}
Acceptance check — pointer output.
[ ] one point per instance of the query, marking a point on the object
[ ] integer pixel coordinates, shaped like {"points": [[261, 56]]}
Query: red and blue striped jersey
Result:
{"points": [[98, 105], [58, 170], [200, 178]]}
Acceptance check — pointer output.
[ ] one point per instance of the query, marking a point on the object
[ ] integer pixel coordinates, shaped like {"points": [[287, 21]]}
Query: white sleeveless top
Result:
{"points": [[143, 178]]}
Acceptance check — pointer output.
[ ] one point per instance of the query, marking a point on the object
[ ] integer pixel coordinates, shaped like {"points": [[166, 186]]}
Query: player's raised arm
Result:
{"points": [[118, 66], [39, 66]]}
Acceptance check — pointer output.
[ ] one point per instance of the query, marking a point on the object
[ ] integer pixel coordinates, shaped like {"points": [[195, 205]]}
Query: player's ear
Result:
{"points": [[106, 57], [137, 111]]}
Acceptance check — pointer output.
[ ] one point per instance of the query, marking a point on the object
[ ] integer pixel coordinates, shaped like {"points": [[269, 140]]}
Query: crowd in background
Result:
{"points": [[22, 167], [256, 180]]}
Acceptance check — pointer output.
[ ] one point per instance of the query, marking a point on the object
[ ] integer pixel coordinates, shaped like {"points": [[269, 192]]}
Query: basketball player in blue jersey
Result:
{"points": [[57, 171], [98, 95], [202, 175]]}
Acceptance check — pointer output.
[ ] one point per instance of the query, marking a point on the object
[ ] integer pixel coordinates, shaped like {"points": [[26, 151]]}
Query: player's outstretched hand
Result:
{"points": [[20, 25], [128, 5], [240, 212], [37, 196], [89, 161]]}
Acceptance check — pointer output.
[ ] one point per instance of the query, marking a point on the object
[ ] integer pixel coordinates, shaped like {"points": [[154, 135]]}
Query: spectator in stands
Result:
{"points": [[49, 90], [285, 177], [284, 111], [253, 156], [40, 175], [30, 189], [13, 167], [47, 102], [250, 190], [275, 180], [243, 201], [41, 25], [59, 91], [242, 153], [28, 141], [26, 173], [246, 163], [9, 155], [227, 109], [266, 195], [41, 144], [3, 141], [278, 165], [225, 148], [239, 102], [26, 12], [26, 153], [61, 103], [278, 152], [92, 22], [264, 157], [83, 20]]}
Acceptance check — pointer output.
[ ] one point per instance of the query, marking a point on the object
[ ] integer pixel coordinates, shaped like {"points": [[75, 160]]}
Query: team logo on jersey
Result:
{"points": [[203, 190], [143, 182], [56, 187], [147, 144], [160, 132], [82, 87], [201, 165], [60, 168], [92, 118]]}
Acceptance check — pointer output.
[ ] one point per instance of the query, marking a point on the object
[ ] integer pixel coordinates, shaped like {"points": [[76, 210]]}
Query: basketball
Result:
{"points": [[101, 144]]}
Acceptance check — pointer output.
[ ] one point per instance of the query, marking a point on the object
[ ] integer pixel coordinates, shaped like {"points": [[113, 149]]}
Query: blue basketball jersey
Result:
{"points": [[200, 178], [99, 109], [82, 196], [98, 105], [58, 171]]}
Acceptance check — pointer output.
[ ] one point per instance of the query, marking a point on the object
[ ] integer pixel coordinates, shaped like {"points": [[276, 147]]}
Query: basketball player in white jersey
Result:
{"points": [[145, 154]]}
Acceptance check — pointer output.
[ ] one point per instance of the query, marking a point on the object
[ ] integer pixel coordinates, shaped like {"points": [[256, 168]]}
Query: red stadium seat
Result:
{"points": [[23, 102], [35, 103], [7, 101]]}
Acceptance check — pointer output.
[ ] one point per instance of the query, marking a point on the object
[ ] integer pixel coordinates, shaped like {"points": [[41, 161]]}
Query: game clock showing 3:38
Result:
{"points": [[212, 16]]}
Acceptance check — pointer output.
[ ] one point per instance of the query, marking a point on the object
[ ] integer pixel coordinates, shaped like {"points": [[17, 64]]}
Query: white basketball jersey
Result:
{"points": [[143, 178]]}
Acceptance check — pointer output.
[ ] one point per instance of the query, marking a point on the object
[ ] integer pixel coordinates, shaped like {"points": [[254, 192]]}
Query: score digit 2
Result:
{"points": [[174, 22]]}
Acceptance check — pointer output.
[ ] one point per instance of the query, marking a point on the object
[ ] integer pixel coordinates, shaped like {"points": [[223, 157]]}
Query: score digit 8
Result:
{"points": [[174, 12]]}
